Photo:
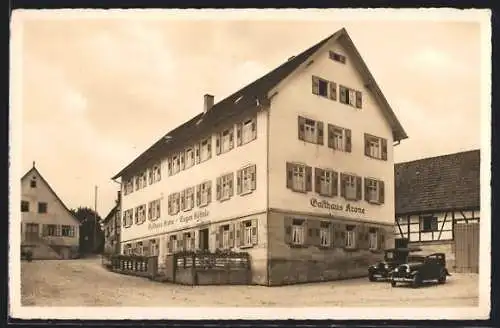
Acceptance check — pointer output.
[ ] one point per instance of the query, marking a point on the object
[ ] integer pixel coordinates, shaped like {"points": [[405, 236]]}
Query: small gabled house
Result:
{"points": [[438, 206], [296, 169], [111, 228], [48, 228]]}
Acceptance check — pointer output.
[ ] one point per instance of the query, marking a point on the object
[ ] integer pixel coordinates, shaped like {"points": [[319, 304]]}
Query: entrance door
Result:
{"points": [[32, 232], [203, 239]]}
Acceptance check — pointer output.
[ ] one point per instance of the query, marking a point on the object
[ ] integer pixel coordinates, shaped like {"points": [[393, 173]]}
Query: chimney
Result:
{"points": [[208, 103], [118, 199]]}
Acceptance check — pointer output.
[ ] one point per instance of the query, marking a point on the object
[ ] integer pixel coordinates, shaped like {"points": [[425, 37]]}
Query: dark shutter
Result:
{"points": [[183, 200], [231, 235], [348, 142], [343, 94], [333, 90], [193, 241], [330, 135], [289, 175], [317, 180], [237, 237], [308, 178], [254, 232], [181, 157], [381, 239], [254, 125], [381, 192], [301, 126], [358, 99], [339, 235], [335, 183], [359, 190], [217, 143], [315, 85], [315, 226], [231, 184], [209, 147], [238, 181], [198, 195], [367, 198], [209, 193], [238, 134], [342, 184], [253, 176], [231, 137], [319, 126], [288, 229], [218, 187], [170, 166], [367, 145], [384, 149]]}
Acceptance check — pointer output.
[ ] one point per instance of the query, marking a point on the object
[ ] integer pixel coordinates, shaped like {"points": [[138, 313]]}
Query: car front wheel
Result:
{"points": [[416, 281], [371, 277], [393, 283], [442, 277]]}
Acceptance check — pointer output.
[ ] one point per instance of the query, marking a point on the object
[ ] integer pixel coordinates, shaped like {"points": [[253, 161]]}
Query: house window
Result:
{"points": [[246, 180], [350, 97], [350, 240], [128, 218], [326, 182], [225, 187], [51, 230], [299, 177], [324, 234], [375, 147], [324, 88], [203, 193], [206, 151], [337, 57], [154, 174], [68, 231], [374, 191], [248, 131], [174, 203], [249, 231], [310, 130], [188, 202], [189, 156], [140, 214], [350, 187], [226, 140], [339, 138], [33, 183], [298, 231], [188, 239], [128, 186], [25, 206], [176, 164], [172, 244], [225, 237], [428, 223], [373, 239], [154, 210], [42, 207]]}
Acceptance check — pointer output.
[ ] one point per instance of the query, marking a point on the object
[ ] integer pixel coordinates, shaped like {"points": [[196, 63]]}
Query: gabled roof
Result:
{"points": [[438, 183], [110, 214], [35, 170], [254, 95]]}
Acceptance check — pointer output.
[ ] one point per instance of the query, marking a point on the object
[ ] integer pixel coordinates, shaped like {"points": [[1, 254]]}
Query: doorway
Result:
{"points": [[203, 239]]}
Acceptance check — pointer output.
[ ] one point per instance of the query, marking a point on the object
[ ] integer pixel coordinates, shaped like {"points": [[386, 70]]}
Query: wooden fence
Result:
{"points": [[466, 247], [143, 266]]}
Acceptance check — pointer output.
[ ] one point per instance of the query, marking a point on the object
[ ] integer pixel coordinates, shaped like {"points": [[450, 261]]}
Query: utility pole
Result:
{"points": [[95, 219]]}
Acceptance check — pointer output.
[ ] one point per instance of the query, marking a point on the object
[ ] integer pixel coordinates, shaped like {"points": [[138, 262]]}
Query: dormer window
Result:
{"points": [[33, 182], [337, 57]]}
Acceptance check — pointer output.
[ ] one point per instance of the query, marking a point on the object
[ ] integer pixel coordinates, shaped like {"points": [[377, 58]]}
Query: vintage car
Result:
{"points": [[392, 258], [421, 269], [26, 253]]}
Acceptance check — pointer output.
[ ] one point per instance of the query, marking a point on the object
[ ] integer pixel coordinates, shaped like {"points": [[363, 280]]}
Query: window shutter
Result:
{"points": [[150, 214], [381, 192], [348, 142], [219, 180], [183, 200], [170, 166], [381, 239], [339, 235], [343, 94], [317, 179], [288, 229], [384, 149], [217, 143], [315, 85], [333, 90], [342, 184], [231, 184], [209, 147], [231, 137], [254, 232], [253, 176], [314, 227], [367, 146], [359, 191], [237, 237], [169, 204], [308, 178], [361, 239], [192, 241], [231, 235], [330, 136], [335, 183], [319, 126], [358, 99], [198, 195], [197, 153], [301, 122], [289, 175], [45, 230], [158, 208], [238, 134], [367, 196], [169, 246], [254, 126], [238, 181], [209, 193]]}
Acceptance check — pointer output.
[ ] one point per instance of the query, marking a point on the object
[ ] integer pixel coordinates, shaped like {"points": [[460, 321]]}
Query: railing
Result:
{"points": [[135, 265]]}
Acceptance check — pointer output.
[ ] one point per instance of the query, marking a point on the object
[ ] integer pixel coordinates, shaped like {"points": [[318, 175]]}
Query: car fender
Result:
{"points": [[447, 273]]}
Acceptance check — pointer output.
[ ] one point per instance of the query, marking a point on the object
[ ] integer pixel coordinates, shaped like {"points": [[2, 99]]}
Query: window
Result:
{"points": [[25, 206], [176, 164], [298, 229], [299, 177], [52, 230], [428, 223], [206, 149], [225, 187], [224, 141], [310, 130], [350, 97], [173, 203], [225, 237], [172, 244], [187, 201], [373, 239], [189, 157], [326, 182], [337, 57], [324, 88], [374, 191], [140, 214], [249, 233], [375, 147], [68, 231], [154, 210], [42, 207], [350, 240], [325, 234], [33, 182], [188, 239], [350, 186], [203, 193], [246, 182], [246, 131], [128, 186], [128, 218], [154, 174], [339, 138]]}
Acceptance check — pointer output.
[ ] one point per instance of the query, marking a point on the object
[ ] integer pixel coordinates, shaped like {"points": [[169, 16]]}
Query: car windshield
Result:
{"points": [[416, 258]]}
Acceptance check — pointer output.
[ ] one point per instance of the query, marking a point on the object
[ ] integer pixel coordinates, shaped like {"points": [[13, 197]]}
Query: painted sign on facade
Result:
{"points": [[335, 207], [182, 219]]}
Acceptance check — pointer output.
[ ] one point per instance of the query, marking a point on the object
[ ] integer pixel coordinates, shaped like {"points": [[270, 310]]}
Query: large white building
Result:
{"points": [[296, 169]]}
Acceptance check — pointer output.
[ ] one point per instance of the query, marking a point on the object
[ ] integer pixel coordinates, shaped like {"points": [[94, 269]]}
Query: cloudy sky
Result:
{"points": [[98, 92]]}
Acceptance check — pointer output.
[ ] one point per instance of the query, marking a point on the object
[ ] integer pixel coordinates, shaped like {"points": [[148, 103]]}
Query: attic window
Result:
{"points": [[33, 182], [337, 57]]}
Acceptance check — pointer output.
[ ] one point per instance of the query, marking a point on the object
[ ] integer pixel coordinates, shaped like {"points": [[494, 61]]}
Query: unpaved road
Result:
{"points": [[86, 283]]}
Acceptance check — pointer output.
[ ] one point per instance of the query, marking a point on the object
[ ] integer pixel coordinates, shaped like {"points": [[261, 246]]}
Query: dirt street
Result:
{"points": [[86, 283]]}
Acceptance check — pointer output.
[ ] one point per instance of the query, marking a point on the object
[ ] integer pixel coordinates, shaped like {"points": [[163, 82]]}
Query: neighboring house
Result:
{"points": [[296, 169], [111, 228], [47, 226], [437, 206]]}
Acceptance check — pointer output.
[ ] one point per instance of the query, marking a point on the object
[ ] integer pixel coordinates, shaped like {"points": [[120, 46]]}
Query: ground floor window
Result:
{"points": [[298, 232], [350, 240], [68, 231], [225, 237], [325, 235], [373, 239]]}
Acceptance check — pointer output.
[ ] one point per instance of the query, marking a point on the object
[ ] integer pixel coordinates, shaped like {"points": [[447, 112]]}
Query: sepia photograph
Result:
{"points": [[250, 164]]}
